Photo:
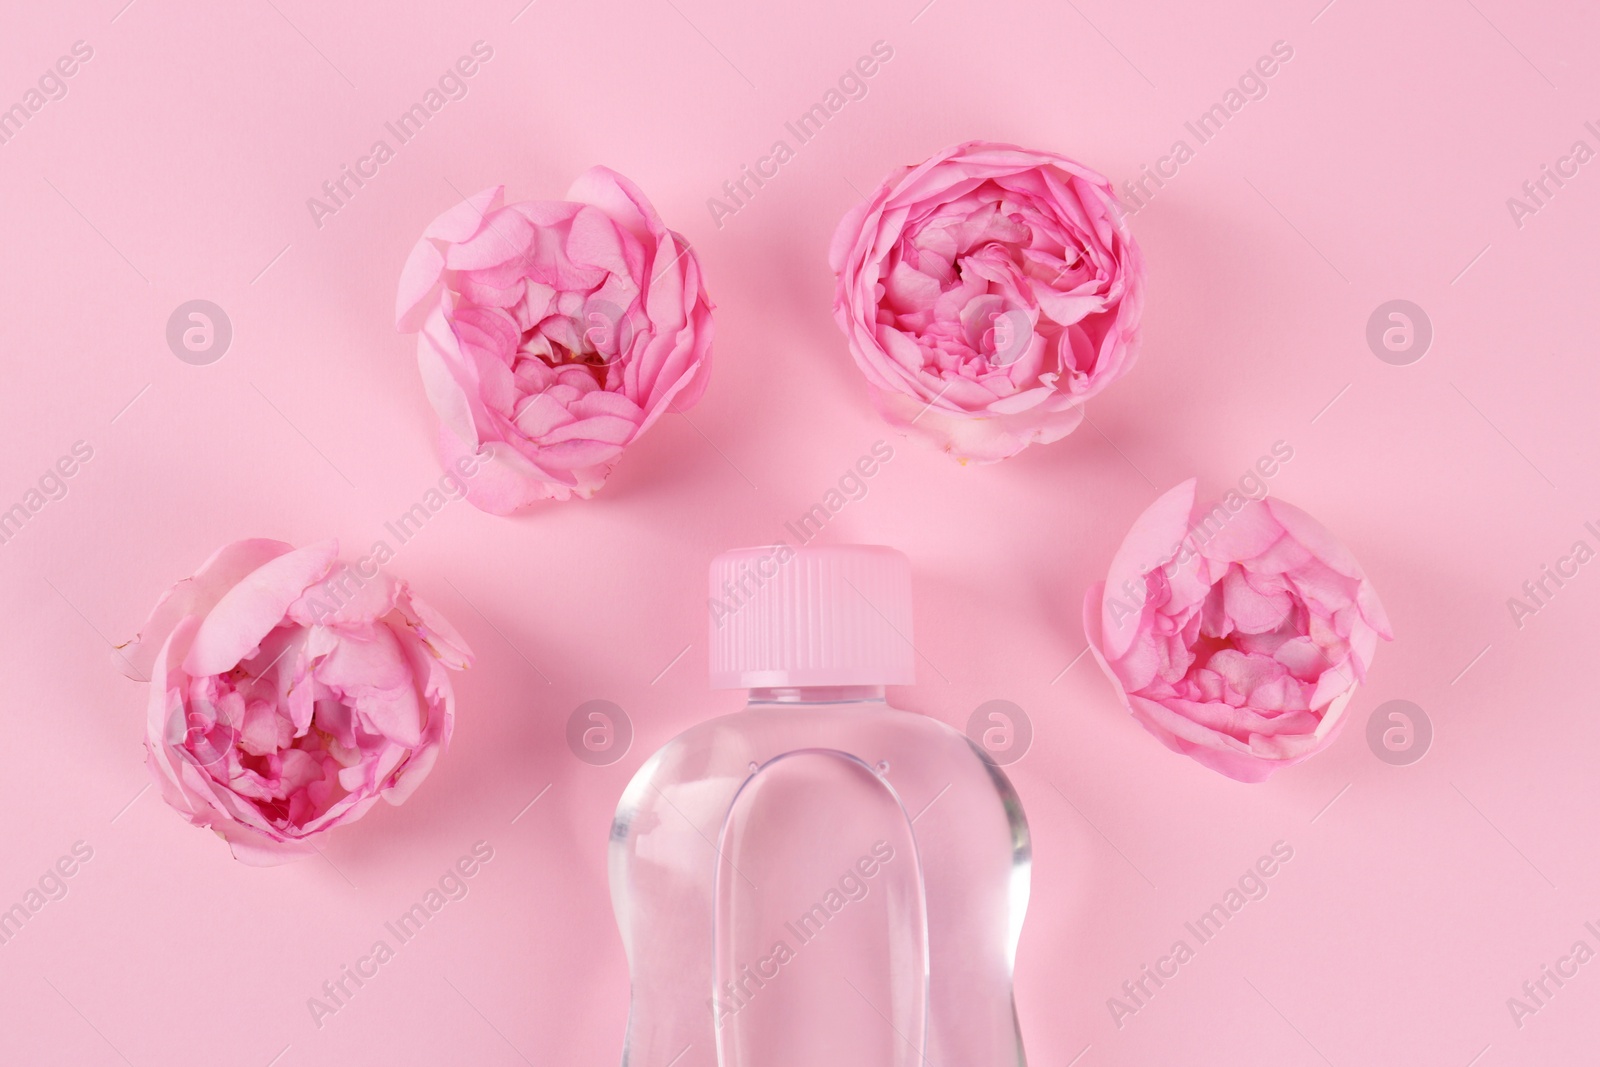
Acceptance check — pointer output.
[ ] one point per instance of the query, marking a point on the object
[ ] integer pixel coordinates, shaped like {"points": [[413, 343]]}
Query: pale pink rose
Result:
{"points": [[289, 693], [561, 329], [987, 294], [1235, 635]]}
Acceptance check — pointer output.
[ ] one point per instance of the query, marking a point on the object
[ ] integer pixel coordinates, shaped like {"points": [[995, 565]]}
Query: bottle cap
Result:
{"points": [[821, 615]]}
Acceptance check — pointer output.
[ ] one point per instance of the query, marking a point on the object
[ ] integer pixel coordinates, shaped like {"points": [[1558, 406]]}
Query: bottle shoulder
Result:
{"points": [[715, 756], [766, 728]]}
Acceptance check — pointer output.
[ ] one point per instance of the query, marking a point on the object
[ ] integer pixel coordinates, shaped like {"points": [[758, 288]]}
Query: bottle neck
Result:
{"points": [[819, 694]]}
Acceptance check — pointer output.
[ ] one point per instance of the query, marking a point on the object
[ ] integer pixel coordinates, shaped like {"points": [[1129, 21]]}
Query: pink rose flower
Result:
{"points": [[987, 294], [289, 693], [1235, 635], [561, 328]]}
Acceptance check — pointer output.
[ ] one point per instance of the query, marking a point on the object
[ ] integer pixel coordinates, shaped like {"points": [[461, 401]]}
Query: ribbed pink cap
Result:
{"points": [[826, 615]]}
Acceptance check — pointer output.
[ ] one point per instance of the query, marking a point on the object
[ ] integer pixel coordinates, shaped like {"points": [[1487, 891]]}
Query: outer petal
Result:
{"points": [[507, 481], [1151, 542], [619, 198], [256, 604], [462, 221], [419, 280], [443, 642], [976, 437], [195, 595]]}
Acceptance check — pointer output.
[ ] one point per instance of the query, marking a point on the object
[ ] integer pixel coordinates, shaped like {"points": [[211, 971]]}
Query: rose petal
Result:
{"points": [[195, 595], [245, 614]]}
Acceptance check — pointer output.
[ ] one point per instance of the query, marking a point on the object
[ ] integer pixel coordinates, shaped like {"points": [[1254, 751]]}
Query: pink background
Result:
{"points": [[178, 166]]}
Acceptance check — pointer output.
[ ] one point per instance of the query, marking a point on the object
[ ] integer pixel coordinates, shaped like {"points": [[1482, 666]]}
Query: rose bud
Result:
{"points": [[290, 693], [562, 329], [986, 294], [1235, 635]]}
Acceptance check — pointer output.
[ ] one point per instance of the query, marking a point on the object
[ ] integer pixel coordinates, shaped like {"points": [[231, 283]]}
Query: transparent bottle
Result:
{"points": [[819, 880]]}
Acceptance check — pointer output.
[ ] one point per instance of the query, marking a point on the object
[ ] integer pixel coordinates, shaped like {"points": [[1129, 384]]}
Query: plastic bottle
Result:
{"points": [[820, 878]]}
